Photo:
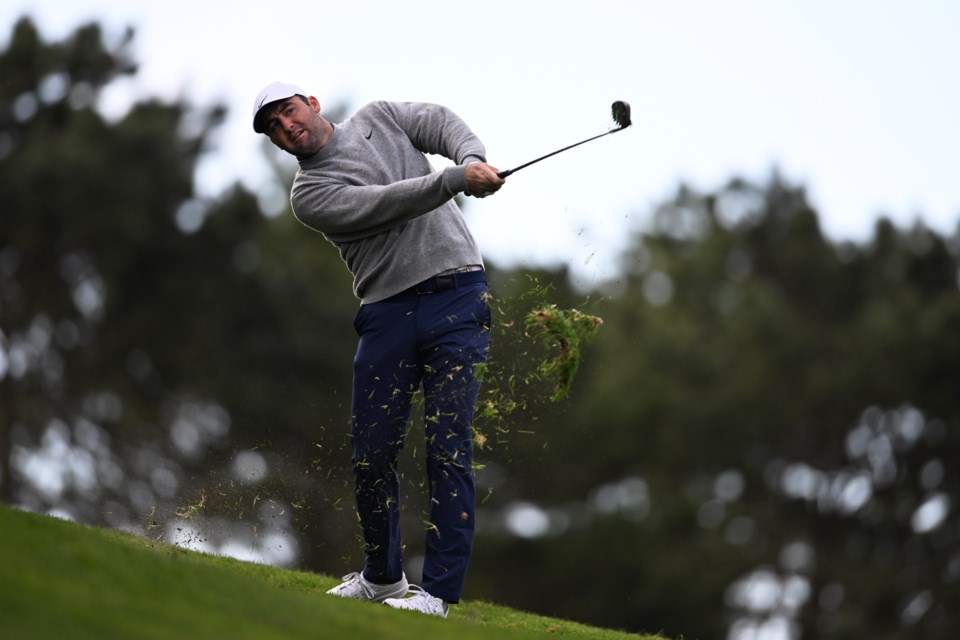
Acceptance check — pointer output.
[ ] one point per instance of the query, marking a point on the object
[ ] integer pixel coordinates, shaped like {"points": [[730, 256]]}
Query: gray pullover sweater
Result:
{"points": [[371, 192]]}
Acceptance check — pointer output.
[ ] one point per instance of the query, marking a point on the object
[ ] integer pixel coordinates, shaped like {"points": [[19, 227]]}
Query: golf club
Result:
{"points": [[621, 115]]}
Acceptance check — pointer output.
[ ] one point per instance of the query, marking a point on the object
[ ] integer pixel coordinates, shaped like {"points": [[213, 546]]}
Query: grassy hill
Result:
{"points": [[64, 580]]}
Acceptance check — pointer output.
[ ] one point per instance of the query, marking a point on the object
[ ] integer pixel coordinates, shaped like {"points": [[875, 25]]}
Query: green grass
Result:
{"points": [[63, 580]]}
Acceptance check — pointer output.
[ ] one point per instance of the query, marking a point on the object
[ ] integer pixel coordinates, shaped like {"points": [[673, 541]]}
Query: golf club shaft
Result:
{"points": [[504, 174]]}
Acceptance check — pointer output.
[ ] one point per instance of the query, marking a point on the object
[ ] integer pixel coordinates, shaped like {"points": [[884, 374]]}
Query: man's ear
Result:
{"points": [[314, 103]]}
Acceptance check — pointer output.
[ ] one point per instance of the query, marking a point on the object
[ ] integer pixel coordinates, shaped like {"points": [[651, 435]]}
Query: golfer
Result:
{"points": [[423, 320]]}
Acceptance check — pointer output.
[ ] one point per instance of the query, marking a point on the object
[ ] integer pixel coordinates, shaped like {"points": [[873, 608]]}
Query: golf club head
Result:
{"points": [[621, 113]]}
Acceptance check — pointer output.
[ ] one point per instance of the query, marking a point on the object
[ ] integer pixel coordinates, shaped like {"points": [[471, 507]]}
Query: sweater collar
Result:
{"points": [[326, 151]]}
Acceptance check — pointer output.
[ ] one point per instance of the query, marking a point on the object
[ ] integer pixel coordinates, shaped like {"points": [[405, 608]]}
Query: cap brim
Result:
{"points": [[258, 120]]}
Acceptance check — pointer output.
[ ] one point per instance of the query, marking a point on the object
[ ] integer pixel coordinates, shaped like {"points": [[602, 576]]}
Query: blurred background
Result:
{"points": [[762, 442]]}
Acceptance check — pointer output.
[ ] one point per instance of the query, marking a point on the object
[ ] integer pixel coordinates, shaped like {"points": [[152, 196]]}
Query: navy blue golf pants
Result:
{"points": [[432, 335]]}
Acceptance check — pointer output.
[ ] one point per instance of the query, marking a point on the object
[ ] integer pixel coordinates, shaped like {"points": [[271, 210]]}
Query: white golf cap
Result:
{"points": [[271, 93]]}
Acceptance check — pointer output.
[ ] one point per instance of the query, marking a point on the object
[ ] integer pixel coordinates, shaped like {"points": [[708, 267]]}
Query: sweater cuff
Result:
{"points": [[456, 178]]}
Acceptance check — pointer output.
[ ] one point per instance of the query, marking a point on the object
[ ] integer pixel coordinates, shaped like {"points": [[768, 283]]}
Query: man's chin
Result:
{"points": [[300, 148]]}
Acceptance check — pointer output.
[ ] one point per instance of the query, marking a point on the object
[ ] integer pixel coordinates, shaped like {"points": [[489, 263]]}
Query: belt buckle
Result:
{"points": [[445, 282], [435, 284]]}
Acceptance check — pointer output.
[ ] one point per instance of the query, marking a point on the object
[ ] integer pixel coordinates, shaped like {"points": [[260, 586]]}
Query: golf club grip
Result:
{"points": [[504, 174]]}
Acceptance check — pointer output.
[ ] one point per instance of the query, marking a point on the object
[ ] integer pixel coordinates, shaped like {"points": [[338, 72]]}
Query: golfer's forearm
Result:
{"points": [[344, 212]]}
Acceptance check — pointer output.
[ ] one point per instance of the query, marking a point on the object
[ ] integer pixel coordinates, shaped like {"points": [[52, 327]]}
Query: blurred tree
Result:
{"points": [[53, 294], [758, 440], [154, 343]]}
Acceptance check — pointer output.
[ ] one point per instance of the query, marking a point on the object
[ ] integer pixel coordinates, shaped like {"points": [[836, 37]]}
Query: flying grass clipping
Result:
{"points": [[563, 330], [539, 352]]}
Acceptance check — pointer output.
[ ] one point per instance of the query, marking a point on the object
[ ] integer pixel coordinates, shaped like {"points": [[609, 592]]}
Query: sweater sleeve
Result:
{"points": [[435, 129], [345, 212]]}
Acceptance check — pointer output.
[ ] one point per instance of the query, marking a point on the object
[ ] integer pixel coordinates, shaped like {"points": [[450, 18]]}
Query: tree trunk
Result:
{"points": [[6, 426]]}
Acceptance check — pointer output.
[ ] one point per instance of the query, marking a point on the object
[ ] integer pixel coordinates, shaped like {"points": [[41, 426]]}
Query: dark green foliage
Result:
{"points": [[149, 331], [773, 351]]}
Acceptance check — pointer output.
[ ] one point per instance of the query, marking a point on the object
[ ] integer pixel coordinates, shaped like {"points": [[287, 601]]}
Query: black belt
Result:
{"points": [[449, 281]]}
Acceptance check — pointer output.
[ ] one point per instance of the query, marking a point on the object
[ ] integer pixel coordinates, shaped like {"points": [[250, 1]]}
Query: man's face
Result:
{"points": [[295, 126]]}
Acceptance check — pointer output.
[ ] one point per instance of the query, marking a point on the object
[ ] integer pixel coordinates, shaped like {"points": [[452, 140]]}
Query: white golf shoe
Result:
{"points": [[356, 587], [419, 600]]}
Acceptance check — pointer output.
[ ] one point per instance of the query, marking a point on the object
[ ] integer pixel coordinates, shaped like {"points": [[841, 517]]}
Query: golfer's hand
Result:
{"points": [[482, 180]]}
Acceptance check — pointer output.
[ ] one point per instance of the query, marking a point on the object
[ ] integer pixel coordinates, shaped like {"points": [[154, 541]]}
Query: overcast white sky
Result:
{"points": [[856, 99]]}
